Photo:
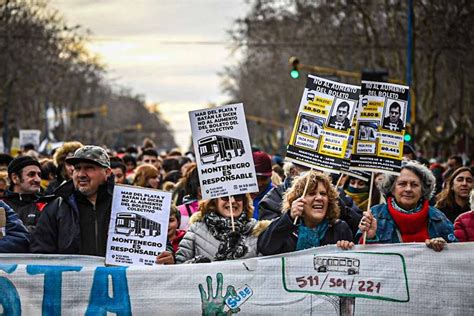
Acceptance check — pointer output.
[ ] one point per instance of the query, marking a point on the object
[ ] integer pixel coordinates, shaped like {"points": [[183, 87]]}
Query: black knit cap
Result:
{"points": [[21, 162]]}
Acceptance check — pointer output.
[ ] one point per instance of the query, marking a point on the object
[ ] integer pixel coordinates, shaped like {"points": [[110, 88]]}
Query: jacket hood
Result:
{"points": [[258, 228]]}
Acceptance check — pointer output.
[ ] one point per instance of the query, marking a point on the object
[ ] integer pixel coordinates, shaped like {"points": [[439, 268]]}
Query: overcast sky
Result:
{"points": [[156, 48]]}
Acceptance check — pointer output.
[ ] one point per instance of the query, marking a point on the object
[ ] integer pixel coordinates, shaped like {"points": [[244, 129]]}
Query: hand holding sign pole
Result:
{"points": [[369, 202], [304, 194]]}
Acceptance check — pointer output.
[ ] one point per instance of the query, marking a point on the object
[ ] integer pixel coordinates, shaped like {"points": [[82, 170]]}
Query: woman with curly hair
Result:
{"points": [[318, 221], [147, 176], [453, 200], [407, 215], [211, 236]]}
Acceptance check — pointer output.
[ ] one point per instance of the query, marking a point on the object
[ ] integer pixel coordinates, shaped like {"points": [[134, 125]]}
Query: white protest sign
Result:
{"points": [[138, 225], [30, 136], [223, 151], [322, 127], [381, 121]]}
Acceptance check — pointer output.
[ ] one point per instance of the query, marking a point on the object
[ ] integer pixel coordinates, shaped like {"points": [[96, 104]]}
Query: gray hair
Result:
{"points": [[428, 181]]}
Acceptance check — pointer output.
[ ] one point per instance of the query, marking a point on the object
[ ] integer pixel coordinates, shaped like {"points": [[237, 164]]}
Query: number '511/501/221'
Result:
{"points": [[361, 286]]}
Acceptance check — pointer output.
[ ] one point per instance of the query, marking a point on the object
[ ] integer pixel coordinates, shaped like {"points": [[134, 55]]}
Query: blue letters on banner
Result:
{"points": [[52, 285], [99, 302], [9, 298]]}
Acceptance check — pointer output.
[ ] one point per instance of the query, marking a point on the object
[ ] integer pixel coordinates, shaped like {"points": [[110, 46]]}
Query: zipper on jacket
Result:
{"points": [[96, 231]]}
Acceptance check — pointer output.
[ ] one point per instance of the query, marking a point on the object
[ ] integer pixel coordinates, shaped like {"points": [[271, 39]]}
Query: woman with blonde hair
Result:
{"points": [[317, 214], [147, 176], [212, 236]]}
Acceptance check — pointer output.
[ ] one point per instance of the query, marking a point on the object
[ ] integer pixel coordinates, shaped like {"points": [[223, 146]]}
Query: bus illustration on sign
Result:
{"points": [[131, 223], [218, 148], [336, 264]]}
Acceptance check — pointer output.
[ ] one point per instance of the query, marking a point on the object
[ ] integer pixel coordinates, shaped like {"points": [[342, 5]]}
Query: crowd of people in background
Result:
{"points": [[60, 203]]}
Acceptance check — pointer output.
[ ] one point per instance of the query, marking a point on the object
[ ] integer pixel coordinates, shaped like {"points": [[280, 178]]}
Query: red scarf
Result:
{"points": [[413, 227]]}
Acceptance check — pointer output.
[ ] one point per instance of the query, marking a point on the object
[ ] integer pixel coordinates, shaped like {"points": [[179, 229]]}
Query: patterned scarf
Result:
{"points": [[311, 237], [232, 244], [361, 198]]}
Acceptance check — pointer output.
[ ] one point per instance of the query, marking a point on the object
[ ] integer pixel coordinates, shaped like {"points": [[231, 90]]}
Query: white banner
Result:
{"points": [[138, 225], [223, 152], [398, 279]]}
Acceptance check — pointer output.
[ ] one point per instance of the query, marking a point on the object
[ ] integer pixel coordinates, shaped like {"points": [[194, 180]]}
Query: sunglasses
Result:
{"points": [[238, 197]]}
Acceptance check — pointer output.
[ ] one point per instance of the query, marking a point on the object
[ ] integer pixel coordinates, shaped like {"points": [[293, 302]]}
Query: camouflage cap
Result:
{"points": [[90, 153]]}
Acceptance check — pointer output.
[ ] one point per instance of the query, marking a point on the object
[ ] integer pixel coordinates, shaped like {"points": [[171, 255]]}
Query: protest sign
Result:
{"points": [[381, 121], [322, 127], [223, 151], [30, 136], [138, 227], [393, 279]]}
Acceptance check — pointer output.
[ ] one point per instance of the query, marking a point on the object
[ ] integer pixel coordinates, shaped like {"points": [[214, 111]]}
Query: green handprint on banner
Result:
{"points": [[214, 305]]}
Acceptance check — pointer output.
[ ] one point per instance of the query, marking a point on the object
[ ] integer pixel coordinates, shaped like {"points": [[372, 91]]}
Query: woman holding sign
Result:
{"points": [[318, 218], [210, 236], [407, 216]]}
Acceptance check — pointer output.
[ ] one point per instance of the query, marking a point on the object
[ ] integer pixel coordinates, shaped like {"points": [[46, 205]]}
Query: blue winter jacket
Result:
{"points": [[17, 237], [438, 226]]}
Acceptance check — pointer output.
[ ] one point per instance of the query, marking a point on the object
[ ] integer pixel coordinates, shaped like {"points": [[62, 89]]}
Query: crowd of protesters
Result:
{"points": [[61, 204]]}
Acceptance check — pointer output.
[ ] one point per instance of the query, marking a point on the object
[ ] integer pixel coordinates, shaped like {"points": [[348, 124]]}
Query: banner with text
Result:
{"points": [[322, 127], [223, 152], [138, 225], [381, 121], [398, 279]]}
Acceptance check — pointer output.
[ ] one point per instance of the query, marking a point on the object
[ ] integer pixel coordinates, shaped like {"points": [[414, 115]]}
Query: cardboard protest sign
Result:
{"points": [[322, 127], [138, 227], [30, 136], [380, 128], [223, 151]]}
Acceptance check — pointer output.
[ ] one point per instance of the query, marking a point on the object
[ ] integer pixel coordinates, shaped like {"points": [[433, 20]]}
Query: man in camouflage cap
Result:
{"points": [[77, 221]]}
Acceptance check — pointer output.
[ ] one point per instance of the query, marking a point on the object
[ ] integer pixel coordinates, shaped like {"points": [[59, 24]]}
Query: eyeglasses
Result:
{"points": [[238, 197]]}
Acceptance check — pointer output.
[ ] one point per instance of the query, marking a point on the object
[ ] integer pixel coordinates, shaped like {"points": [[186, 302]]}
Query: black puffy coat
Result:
{"points": [[282, 235]]}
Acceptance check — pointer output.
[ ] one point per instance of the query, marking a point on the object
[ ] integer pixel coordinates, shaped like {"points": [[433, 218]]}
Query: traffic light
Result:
{"points": [[294, 73], [408, 134]]}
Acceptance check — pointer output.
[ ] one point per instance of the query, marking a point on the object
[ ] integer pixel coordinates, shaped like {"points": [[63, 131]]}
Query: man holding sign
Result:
{"points": [[76, 222]]}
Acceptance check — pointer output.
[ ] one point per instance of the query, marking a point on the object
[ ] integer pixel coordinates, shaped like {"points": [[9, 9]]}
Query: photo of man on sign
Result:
{"points": [[393, 121], [339, 120]]}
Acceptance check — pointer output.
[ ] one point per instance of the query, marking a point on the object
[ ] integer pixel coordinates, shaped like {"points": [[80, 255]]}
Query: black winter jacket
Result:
{"points": [[70, 224], [27, 206], [282, 235]]}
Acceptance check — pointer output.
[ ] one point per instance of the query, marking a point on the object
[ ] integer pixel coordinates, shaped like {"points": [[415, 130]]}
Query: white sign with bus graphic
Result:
{"points": [[138, 225], [223, 151]]}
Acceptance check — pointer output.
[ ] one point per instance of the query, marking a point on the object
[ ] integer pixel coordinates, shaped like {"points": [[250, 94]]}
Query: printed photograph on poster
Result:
{"points": [[380, 125], [368, 131], [394, 116], [323, 124], [138, 225], [340, 114], [223, 151], [311, 125]]}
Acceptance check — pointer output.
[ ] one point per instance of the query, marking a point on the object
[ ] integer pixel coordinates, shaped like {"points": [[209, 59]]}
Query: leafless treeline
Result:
{"points": [[354, 35], [43, 61]]}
